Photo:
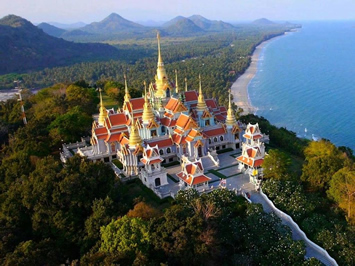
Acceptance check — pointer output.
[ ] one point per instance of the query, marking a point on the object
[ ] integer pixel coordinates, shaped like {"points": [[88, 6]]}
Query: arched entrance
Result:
{"points": [[157, 182]]}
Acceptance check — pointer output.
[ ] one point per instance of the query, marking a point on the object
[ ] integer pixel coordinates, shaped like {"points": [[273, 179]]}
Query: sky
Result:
{"points": [[71, 11]]}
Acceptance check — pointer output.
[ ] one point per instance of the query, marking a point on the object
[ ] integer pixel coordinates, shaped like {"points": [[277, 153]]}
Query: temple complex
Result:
{"points": [[168, 124]]}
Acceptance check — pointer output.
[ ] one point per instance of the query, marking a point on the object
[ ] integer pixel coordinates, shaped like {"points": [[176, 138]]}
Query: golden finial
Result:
{"points": [[159, 54], [127, 96], [230, 119], [201, 104], [176, 83], [134, 137], [103, 111], [147, 108], [185, 84]]}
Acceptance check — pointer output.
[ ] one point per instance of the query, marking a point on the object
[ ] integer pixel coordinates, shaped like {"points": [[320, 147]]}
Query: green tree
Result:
{"points": [[342, 191], [276, 165], [125, 236], [70, 126], [323, 160]]}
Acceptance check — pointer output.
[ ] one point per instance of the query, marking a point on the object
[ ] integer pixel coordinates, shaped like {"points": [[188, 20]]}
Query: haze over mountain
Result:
{"points": [[50, 29], [263, 21], [25, 47], [71, 26]]}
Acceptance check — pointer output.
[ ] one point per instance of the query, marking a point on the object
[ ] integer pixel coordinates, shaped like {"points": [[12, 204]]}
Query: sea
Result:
{"points": [[305, 82]]}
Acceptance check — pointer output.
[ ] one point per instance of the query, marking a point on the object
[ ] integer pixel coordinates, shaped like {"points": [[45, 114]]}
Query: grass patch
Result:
{"points": [[117, 163], [235, 155], [216, 173], [171, 164], [172, 178], [224, 150]]}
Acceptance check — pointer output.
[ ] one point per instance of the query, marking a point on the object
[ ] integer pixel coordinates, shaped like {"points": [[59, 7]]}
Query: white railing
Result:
{"points": [[285, 216]]}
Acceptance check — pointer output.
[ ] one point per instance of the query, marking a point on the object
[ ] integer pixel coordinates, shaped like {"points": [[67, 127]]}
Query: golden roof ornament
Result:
{"points": [[185, 84], [176, 83], [161, 77], [147, 108], [201, 104], [127, 96], [134, 138], [103, 111], [230, 120]]}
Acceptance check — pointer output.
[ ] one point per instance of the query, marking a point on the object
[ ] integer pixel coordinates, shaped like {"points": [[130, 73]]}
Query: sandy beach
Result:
{"points": [[239, 88]]}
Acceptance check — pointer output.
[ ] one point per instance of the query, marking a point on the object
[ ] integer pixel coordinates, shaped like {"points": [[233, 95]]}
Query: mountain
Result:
{"points": [[114, 23], [181, 26], [172, 21], [210, 25], [50, 29], [24, 47], [263, 21]]}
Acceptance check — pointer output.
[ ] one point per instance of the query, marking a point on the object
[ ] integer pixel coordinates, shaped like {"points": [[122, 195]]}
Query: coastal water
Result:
{"points": [[306, 82]]}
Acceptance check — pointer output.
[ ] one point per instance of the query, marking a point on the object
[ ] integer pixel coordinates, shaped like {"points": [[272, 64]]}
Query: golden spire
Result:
{"points": [[147, 108], [201, 104], [134, 138], [185, 84], [160, 61], [127, 97], [176, 83], [230, 120], [103, 111], [161, 77]]}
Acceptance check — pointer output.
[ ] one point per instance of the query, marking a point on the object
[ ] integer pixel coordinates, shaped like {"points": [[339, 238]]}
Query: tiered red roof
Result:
{"points": [[191, 96]]}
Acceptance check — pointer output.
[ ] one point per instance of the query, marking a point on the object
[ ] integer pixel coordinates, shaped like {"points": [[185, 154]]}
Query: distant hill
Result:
{"points": [[114, 23], [210, 25], [183, 27], [263, 21], [50, 29], [24, 47]]}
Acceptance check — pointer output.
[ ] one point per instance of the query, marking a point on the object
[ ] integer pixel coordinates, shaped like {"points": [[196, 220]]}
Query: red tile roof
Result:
{"points": [[117, 119], [100, 130], [250, 161], [193, 180], [191, 96], [211, 103], [256, 136], [161, 143], [143, 160], [214, 132]]}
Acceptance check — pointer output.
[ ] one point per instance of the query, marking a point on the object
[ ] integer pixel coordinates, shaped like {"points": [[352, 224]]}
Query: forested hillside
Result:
{"points": [[24, 47], [219, 57]]}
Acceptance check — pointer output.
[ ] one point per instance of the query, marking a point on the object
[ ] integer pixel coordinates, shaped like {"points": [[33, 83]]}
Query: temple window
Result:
{"points": [[215, 139], [168, 150], [161, 152], [207, 122], [154, 133], [221, 138], [209, 141]]}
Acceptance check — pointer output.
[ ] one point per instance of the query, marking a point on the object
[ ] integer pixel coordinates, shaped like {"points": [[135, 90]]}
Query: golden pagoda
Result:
{"points": [[201, 104], [230, 120], [103, 111], [134, 138], [161, 79], [127, 96], [147, 108]]}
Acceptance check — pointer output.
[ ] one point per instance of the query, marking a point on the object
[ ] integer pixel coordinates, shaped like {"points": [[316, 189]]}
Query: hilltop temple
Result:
{"points": [[167, 124]]}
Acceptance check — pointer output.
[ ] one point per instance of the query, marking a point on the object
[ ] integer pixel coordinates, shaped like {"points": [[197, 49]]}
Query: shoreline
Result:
{"points": [[239, 88]]}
